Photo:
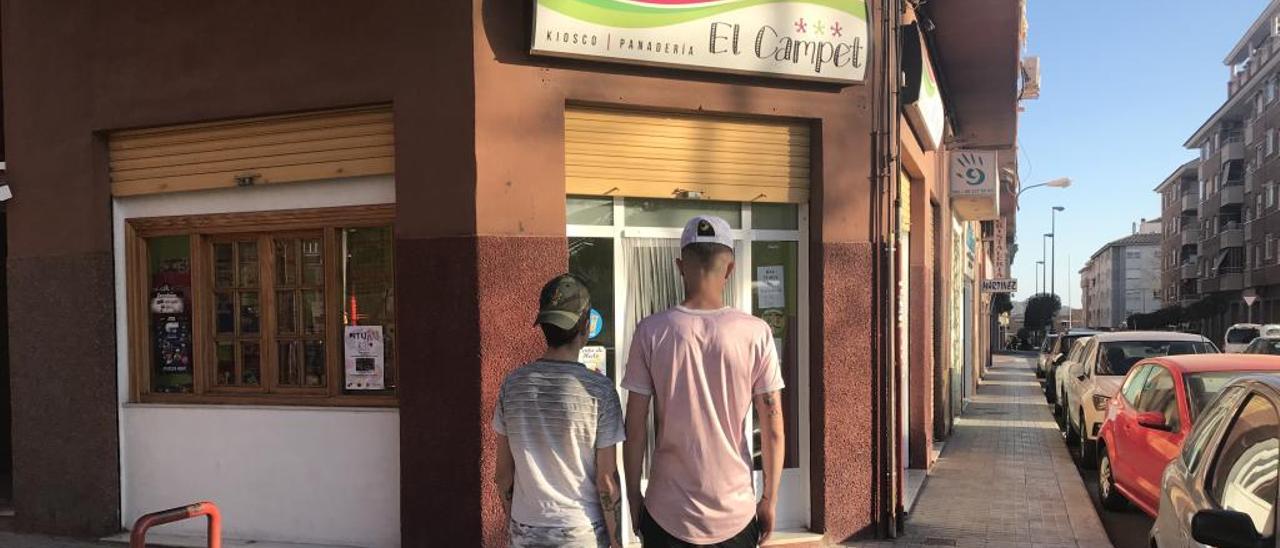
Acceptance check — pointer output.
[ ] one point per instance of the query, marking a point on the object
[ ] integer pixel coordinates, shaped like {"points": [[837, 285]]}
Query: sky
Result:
{"points": [[1124, 83]]}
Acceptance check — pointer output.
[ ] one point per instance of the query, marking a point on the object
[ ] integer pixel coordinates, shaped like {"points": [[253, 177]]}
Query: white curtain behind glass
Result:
{"points": [[653, 281]]}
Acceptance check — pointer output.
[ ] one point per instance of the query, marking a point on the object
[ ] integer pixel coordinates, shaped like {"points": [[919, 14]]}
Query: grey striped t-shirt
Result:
{"points": [[555, 415]]}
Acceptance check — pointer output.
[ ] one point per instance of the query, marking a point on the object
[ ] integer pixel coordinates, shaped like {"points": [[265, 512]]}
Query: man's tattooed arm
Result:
{"points": [[611, 503], [610, 492]]}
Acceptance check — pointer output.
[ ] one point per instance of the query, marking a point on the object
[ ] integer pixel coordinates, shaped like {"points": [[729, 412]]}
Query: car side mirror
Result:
{"points": [[1153, 420], [1225, 529], [1077, 370]]}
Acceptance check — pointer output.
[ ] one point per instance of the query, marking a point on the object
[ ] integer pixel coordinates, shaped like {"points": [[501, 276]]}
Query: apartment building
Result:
{"points": [[1180, 246], [1226, 242], [1121, 279]]}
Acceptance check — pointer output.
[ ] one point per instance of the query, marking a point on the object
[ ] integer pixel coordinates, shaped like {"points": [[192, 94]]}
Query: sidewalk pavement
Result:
{"points": [[1005, 478], [15, 540]]}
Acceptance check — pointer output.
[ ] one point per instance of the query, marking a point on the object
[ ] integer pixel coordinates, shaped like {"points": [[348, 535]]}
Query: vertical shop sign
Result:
{"points": [[823, 40], [1001, 247], [365, 358]]}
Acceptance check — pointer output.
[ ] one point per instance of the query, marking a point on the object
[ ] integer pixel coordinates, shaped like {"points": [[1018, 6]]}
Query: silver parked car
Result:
{"points": [[1221, 490]]}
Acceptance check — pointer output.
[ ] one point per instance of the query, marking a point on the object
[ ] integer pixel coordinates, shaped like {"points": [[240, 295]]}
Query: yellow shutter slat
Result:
{"points": [[657, 155], [275, 149], [212, 145]]}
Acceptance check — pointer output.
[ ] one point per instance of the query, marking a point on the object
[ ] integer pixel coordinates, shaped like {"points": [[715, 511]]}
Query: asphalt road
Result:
{"points": [[1126, 529]]}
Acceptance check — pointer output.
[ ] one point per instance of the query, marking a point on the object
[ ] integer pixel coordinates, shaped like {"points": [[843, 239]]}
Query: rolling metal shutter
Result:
{"points": [[274, 149], [662, 155]]}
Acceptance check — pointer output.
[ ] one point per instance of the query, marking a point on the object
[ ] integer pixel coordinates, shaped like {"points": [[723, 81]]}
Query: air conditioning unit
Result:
{"points": [[1030, 78]]}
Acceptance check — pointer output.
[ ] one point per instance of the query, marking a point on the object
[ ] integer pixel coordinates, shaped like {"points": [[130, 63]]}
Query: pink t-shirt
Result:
{"points": [[702, 368]]}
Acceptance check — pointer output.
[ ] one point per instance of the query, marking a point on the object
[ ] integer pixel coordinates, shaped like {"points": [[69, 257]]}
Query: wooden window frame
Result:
{"points": [[202, 231]]}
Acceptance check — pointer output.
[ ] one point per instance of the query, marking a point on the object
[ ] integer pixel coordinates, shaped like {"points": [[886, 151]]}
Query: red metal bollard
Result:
{"points": [[138, 538]]}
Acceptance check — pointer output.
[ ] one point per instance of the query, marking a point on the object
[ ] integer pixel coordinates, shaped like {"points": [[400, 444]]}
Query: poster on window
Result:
{"points": [[769, 282], [364, 358]]}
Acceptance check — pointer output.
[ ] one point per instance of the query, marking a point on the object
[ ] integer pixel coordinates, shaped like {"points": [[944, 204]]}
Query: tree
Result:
{"points": [[1001, 303], [1042, 308]]}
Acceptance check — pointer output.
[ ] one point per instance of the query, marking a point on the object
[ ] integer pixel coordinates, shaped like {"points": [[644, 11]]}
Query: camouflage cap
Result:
{"points": [[563, 302]]}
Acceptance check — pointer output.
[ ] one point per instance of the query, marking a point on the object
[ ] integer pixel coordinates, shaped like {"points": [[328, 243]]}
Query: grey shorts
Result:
{"points": [[529, 536]]}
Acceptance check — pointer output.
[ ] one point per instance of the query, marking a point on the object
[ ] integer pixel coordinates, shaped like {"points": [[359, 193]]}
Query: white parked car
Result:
{"points": [[1239, 336], [1090, 381]]}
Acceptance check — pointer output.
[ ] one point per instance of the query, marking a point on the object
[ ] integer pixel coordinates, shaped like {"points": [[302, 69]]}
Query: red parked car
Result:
{"points": [[1160, 400]]}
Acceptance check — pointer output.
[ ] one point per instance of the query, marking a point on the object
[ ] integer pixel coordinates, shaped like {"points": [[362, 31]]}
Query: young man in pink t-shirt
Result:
{"points": [[702, 365]]}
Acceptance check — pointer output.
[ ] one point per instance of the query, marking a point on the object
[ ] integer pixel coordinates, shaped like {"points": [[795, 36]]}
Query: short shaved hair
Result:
{"points": [[706, 256]]}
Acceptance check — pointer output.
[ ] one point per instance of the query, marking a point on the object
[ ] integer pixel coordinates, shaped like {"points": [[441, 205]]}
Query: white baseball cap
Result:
{"points": [[708, 229]]}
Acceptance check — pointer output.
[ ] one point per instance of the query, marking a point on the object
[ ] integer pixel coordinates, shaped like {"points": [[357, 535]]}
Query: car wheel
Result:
{"points": [[1111, 498], [1088, 448], [1073, 437]]}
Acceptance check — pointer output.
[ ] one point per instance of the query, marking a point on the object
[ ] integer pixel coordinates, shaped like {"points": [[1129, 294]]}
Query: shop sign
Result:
{"points": [[974, 173], [921, 95], [595, 324], [364, 358], [1001, 247], [1000, 285], [824, 40]]}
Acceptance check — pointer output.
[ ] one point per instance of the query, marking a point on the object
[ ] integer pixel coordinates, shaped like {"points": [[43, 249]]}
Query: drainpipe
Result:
{"points": [[884, 234]]}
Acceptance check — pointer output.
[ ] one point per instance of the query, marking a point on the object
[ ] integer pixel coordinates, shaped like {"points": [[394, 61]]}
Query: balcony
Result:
{"points": [[1233, 150], [1231, 195], [1231, 281], [1232, 237], [1190, 270], [1190, 236], [1190, 203]]}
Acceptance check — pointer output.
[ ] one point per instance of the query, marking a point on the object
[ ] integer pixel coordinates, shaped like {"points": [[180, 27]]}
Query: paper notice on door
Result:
{"points": [[364, 357], [770, 289], [594, 358]]}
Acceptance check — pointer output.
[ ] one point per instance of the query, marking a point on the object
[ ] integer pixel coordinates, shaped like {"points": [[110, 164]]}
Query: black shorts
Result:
{"points": [[653, 536]]}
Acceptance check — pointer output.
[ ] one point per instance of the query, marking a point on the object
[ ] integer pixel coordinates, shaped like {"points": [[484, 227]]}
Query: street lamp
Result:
{"points": [[1053, 252], [1060, 182], [1044, 259], [1039, 267]]}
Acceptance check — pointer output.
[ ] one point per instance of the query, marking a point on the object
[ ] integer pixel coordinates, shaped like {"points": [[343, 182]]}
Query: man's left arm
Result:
{"points": [[772, 446], [504, 476]]}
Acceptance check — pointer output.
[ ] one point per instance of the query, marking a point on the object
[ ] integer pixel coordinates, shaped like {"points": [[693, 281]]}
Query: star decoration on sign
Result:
{"points": [[818, 28], [836, 29], [801, 25]]}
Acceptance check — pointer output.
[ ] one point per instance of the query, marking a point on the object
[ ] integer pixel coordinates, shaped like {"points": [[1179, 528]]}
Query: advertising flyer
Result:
{"points": [[594, 358], [772, 291], [364, 358]]}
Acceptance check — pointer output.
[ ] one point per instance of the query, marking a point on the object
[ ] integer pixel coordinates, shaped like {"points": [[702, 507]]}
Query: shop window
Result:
{"points": [[277, 308], [660, 213], [589, 211]]}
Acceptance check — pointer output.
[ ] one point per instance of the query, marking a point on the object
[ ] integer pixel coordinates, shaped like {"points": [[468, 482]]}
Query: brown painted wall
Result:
{"points": [[480, 221], [77, 67], [520, 102]]}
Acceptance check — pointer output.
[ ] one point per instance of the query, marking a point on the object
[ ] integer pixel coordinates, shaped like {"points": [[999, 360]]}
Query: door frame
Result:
{"points": [[795, 504]]}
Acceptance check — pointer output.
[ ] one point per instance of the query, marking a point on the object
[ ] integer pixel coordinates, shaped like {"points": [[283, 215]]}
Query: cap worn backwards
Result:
{"points": [[707, 229], [563, 302]]}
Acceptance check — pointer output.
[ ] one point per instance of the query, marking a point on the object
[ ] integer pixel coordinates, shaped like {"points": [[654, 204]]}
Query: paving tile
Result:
{"points": [[1005, 478]]}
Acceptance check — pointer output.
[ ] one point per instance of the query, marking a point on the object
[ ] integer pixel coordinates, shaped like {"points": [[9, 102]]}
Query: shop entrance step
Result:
{"points": [[185, 541]]}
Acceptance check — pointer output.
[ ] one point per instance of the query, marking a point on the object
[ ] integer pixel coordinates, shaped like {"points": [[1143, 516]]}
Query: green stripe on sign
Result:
{"points": [[613, 13]]}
